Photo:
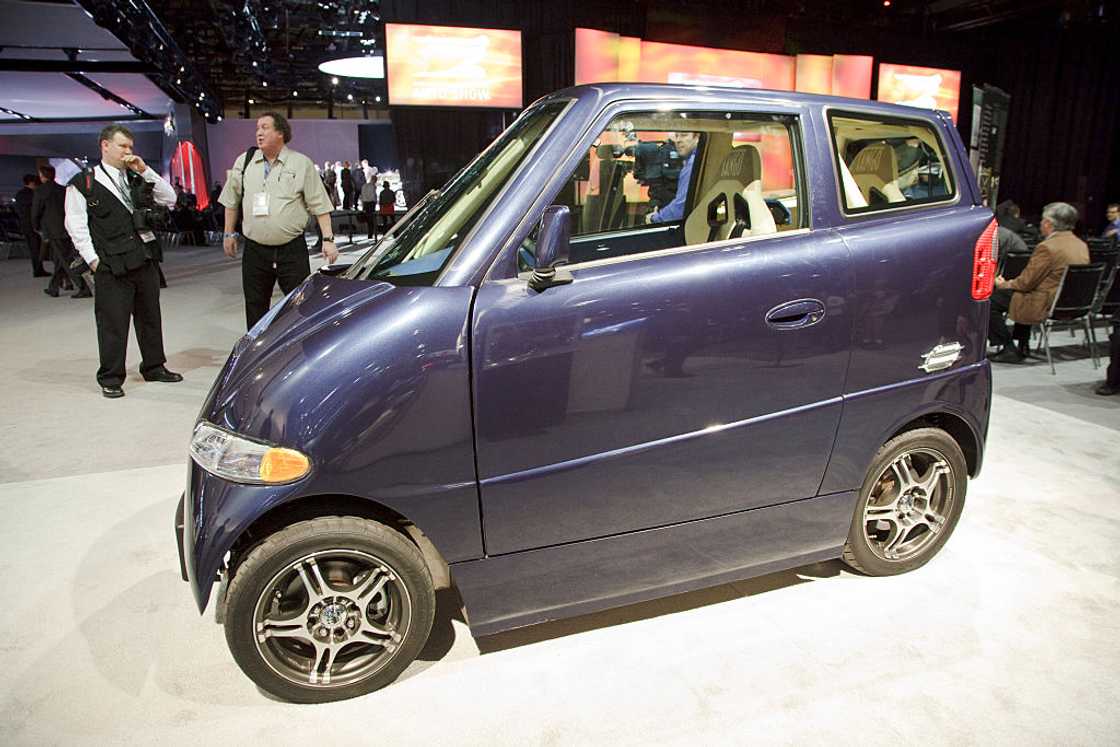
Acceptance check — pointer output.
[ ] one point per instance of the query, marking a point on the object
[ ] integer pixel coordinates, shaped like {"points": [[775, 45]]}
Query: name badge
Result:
{"points": [[260, 203], [147, 236]]}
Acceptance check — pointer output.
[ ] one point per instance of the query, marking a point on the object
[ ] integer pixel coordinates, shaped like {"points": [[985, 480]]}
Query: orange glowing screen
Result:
{"points": [[602, 56], [925, 87], [851, 76], [450, 66]]}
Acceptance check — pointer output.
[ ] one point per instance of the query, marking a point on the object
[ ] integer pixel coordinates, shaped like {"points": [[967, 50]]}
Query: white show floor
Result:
{"points": [[1010, 636]]}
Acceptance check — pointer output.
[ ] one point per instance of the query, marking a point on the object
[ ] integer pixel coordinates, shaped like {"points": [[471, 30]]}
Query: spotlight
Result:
{"points": [[377, 99], [349, 97], [295, 93], [252, 101], [334, 81]]}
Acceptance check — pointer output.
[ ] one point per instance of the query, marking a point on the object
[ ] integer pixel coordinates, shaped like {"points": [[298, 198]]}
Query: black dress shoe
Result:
{"points": [[112, 392], [52, 292], [84, 293], [1007, 355], [1106, 390], [41, 275], [162, 374]]}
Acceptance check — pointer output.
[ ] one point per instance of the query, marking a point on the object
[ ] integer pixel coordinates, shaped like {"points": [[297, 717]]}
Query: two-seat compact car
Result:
{"points": [[653, 338]]}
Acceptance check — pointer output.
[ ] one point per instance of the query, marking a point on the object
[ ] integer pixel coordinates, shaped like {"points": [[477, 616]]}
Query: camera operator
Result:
{"points": [[109, 217], [685, 143]]}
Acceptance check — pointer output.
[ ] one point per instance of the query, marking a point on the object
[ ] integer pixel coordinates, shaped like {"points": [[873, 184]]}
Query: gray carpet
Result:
{"points": [[1010, 636]]}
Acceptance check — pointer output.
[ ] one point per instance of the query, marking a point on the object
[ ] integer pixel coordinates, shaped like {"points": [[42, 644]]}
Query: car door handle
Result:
{"points": [[799, 314]]}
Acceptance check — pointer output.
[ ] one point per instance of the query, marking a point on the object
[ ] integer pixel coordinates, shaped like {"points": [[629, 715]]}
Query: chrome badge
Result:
{"points": [[941, 357]]}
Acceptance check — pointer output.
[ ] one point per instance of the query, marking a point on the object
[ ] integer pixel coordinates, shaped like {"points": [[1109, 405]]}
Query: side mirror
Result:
{"points": [[553, 246]]}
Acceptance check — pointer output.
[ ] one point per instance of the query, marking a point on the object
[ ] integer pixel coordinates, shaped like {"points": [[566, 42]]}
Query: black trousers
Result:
{"points": [[35, 246], [1113, 374], [134, 296], [263, 266], [998, 333], [63, 253]]}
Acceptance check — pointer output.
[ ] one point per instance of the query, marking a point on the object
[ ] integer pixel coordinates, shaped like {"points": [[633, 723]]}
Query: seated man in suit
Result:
{"points": [[1027, 298]]}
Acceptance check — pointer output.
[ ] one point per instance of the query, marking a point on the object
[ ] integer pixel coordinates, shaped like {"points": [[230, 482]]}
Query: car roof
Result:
{"points": [[608, 93]]}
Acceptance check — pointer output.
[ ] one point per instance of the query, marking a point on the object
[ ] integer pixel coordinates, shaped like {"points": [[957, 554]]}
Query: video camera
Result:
{"points": [[146, 214], [657, 165]]}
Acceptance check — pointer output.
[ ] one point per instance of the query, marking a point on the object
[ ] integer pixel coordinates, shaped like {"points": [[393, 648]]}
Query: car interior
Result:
{"points": [[633, 168]]}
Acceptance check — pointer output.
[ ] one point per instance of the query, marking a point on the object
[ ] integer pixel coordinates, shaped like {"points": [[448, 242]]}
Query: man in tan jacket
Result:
{"points": [[1027, 298]]}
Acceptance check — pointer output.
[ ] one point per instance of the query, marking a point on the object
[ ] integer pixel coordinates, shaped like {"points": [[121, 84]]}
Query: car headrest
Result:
{"points": [[877, 159], [742, 164]]}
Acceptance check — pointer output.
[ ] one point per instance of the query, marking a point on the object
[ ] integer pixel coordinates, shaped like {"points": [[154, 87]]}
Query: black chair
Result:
{"points": [[1073, 303], [1013, 264], [1107, 253]]}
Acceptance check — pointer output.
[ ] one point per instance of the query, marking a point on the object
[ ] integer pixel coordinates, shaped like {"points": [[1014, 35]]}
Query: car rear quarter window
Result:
{"points": [[884, 163]]}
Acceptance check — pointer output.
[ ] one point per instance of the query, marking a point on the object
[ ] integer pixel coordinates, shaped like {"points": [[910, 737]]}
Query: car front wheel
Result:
{"points": [[328, 609]]}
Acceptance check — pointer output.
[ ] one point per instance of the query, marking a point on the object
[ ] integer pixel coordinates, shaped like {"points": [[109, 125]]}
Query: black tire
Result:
{"points": [[929, 515], [354, 557]]}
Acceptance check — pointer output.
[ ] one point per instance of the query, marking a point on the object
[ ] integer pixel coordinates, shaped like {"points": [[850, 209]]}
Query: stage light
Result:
{"points": [[355, 67], [334, 81], [349, 97]]}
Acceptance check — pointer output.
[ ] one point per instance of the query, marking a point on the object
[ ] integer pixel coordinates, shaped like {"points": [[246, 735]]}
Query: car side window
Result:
{"points": [[659, 180], [886, 163]]}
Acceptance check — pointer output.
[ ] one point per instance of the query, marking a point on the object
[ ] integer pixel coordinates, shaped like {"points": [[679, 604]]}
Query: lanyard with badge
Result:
{"points": [[139, 222], [260, 199]]}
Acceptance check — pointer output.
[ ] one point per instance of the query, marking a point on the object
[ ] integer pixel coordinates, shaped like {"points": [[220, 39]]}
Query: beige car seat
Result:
{"points": [[875, 171], [723, 212], [762, 220]]}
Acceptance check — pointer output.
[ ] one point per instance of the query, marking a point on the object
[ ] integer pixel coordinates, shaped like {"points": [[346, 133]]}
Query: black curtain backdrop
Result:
{"points": [[1062, 141]]}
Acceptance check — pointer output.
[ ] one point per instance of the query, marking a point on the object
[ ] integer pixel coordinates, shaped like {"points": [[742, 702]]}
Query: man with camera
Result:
{"points": [[109, 218], [273, 189], [685, 143]]}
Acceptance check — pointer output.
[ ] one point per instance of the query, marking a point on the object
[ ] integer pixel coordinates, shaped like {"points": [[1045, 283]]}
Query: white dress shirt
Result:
{"points": [[77, 217]]}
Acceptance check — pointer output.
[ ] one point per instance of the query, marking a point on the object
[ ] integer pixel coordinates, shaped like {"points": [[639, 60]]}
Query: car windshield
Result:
{"points": [[419, 246]]}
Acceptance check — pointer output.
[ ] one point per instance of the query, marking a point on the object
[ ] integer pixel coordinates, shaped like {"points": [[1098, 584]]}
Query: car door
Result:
{"points": [[660, 387]]}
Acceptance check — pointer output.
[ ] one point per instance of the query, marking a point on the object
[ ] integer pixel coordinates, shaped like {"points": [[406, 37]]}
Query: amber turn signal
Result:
{"points": [[283, 465]]}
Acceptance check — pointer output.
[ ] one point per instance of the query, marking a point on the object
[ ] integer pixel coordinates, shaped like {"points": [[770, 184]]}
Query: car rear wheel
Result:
{"points": [[910, 503], [328, 609]]}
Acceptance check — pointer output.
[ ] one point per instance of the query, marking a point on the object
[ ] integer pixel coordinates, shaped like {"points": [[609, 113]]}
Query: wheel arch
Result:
{"points": [[314, 506], [958, 429]]}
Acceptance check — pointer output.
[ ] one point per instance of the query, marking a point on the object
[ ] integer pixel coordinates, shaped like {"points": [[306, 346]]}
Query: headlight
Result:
{"points": [[240, 460]]}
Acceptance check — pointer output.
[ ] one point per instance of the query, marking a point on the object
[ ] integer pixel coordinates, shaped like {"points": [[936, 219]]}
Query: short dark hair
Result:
{"points": [[46, 171], [1113, 205], [280, 122], [30, 179], [108, 131]]}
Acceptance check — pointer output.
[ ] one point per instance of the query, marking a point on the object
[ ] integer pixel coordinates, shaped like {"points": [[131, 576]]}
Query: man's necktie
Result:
{"points": [[126, 196]]}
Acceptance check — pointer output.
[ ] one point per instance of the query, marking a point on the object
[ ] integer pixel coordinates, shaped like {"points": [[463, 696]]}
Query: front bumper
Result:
{"points": [[179, 524]]}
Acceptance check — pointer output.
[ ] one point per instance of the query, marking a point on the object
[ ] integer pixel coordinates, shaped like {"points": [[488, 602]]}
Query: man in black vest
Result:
{"points": [[107, 219], [48, 215]]}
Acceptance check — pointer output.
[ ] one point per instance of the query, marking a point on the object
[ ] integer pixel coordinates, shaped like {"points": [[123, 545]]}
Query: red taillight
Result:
{"points": [[984, 263]]}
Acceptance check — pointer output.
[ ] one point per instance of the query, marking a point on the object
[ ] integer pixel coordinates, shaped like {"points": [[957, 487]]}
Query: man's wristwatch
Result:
{"points": [[328, 238], [231, 235]]}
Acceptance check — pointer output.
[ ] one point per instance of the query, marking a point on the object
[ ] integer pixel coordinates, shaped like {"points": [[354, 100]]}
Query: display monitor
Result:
{"points": [[603, 56], [924, 87], [452, 66]]}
